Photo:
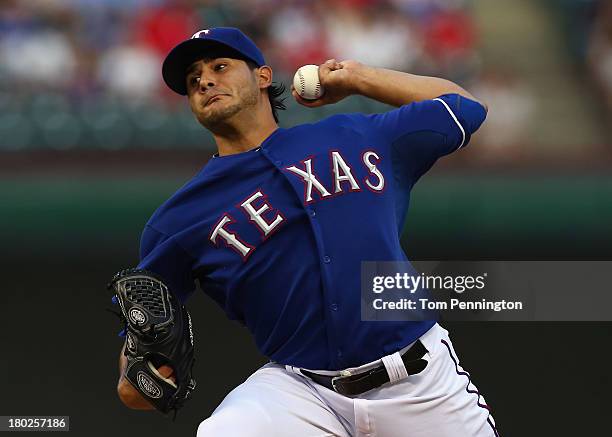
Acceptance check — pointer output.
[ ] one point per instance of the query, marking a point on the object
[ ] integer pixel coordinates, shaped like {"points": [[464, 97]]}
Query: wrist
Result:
{"points": [[364, 80], [130, 397]]}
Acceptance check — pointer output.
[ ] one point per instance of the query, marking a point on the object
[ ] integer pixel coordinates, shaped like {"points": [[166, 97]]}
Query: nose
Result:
{"points": [[206, 82]]}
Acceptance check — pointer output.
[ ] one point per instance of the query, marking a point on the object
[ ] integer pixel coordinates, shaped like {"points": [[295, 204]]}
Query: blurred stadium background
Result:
{"points": [[91, 142], [91, 139]]}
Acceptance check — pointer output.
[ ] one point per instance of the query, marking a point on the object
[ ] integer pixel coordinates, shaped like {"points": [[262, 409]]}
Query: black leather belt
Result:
{"points": [[352, 385]]}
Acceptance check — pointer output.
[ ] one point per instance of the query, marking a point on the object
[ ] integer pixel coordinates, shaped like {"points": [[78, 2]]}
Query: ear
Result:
{"points": [[264, 76]]}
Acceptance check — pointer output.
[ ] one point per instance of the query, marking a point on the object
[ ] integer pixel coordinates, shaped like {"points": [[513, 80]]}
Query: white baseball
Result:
{"points": [[306, 82]]}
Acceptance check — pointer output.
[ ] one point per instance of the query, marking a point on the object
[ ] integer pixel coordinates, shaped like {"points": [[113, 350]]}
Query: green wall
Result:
{"points": [[445, 210]]}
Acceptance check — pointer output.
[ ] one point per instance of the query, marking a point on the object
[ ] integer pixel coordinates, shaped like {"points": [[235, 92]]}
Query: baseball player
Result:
{"points": [[275, 228]]}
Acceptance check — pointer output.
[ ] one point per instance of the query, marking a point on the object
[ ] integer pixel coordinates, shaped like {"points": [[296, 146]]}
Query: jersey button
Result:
{"points": [[312, 212], [278, 163], [326, 259], [334, 307], [339, 353]]}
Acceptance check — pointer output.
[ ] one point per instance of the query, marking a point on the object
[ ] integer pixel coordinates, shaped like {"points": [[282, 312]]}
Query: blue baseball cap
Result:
{"points": [[215, 42]]}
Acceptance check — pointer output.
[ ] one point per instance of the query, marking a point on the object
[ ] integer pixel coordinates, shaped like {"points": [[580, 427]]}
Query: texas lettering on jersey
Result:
{"points": [[257, 204]]}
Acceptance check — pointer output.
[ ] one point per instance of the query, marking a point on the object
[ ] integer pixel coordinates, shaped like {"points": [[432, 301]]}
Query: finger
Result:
{"points": [[305, 102], [311, 103], [333, 64], [324, 70], [300, 99], [324, 73], [327, 66]]}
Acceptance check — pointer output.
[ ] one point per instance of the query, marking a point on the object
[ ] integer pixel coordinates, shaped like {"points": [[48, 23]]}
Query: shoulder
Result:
{"points": [[168, 216], [167, 220]]}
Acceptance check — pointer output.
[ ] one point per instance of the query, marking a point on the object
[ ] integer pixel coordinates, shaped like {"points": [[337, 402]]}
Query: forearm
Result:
{"points": [[397, 88]]}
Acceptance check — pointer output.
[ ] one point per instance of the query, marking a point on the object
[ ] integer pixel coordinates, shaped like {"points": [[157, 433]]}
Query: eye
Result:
{"points": [[220, 66], [193, 80]]}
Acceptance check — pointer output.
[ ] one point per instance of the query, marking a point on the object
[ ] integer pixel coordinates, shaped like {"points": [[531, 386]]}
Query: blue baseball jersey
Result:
{"points": [[276, 235]]}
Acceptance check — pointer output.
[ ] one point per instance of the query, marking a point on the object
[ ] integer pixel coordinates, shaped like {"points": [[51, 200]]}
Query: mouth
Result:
{"points": [[214, 99]]}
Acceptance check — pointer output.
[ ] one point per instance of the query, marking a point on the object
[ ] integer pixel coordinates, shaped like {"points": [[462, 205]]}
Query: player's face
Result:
{"points": [[220, 88]]}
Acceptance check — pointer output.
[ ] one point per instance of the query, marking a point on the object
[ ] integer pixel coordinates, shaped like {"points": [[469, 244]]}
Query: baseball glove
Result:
{"points": [[158, 332]]}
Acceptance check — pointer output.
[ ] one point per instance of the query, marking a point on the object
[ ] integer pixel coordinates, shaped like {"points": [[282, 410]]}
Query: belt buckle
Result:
{"points": [[343, 375]]}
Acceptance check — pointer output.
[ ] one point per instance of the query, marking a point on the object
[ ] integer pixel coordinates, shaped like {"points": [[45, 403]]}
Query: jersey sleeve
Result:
{"points": [[422, 132], [164, 256]]}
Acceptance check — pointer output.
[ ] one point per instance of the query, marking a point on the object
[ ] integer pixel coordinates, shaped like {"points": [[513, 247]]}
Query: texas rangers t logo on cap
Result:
{"points": [[199, 33]]}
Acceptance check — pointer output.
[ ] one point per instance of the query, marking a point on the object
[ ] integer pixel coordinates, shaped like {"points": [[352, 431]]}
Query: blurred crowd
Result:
{"points": [[599, 50], [85, 47], [88, 72]]}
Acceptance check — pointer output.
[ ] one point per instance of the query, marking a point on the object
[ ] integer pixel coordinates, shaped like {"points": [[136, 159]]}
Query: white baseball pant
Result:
{"points": [[441, 401]]}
